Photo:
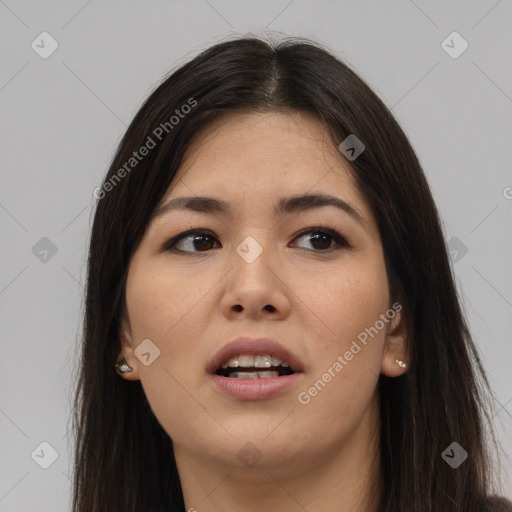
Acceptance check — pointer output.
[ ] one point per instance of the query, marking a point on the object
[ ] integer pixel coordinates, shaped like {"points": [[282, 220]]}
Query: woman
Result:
{"points": [[268, 276]]}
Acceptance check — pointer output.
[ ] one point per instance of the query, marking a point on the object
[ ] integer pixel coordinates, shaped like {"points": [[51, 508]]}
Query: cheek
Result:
{"points": [[166, 303], [166, 307], [338, 307], [346, 342]]}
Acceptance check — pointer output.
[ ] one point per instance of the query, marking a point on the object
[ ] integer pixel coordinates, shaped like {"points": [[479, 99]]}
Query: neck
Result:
{"points": [[345, 478]]}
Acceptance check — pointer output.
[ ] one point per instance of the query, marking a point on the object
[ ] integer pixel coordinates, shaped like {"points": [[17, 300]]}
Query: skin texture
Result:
{"points": [[322, 455]]}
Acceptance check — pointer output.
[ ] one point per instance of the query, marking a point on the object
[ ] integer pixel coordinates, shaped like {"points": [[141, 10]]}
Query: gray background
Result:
{"points": [[63, 116]]}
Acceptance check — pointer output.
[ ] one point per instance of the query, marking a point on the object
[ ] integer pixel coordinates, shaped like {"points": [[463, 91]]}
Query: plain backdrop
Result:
{"points": [[63, 113]]}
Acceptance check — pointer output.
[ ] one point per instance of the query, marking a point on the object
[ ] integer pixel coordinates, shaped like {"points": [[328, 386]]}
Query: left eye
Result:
{"points": [[321, 238]]}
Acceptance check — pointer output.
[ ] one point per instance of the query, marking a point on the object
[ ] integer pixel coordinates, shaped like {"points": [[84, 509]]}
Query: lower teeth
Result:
{"points": [[253, 375]]}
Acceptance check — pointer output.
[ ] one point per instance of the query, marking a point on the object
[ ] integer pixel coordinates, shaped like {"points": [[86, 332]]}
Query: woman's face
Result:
{"points": [[260, 274]]}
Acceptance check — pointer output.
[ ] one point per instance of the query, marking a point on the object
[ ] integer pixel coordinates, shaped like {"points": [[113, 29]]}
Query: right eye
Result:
{"points": [[193, 239]]}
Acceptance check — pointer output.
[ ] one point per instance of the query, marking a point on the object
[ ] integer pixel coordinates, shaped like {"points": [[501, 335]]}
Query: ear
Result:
{"points": [[126, 352], [395, 345]]}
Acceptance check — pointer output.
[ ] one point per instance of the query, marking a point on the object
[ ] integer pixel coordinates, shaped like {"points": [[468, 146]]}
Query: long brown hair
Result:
{"points": [[124, 459]]}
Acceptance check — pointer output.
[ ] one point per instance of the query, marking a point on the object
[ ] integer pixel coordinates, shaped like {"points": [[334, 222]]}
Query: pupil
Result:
{"points": [[204, 244], [318, 236]]}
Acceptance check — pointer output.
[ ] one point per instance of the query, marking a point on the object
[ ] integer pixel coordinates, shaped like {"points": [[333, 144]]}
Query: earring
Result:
{"points": [[122, 367], [400, 363]]}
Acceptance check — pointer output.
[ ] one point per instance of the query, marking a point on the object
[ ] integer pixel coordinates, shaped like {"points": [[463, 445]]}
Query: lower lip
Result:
{"points": [[255, 389]]}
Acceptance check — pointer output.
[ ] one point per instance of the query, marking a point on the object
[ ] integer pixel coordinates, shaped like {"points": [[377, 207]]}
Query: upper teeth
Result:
{"points": [[248, 361]]}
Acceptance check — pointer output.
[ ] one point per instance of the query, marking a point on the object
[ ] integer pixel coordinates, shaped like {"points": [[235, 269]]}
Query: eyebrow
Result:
{"points": [[285, 206]]}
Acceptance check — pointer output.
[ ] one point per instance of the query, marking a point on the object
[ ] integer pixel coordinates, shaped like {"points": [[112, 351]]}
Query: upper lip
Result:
{"points": [[254, 346]]}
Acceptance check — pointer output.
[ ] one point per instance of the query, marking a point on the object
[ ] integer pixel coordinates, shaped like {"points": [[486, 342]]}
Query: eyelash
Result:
{"points": [[342, 243]]}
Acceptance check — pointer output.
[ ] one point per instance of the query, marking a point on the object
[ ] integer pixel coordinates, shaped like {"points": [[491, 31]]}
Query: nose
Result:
{"points": [[256, 287]]}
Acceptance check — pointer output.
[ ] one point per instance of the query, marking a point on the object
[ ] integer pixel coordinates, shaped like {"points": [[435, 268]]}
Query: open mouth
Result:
{"points": [[247, 366]]}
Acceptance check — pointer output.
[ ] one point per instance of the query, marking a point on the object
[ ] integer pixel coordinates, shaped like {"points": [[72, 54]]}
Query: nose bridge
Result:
{"points": [[254, 248], [259, 232], [254, 286], [253, 291], [253, 264]]}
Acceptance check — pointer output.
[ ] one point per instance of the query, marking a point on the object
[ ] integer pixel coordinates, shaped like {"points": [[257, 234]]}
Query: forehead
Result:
{"points": [[245, 133], [286, 151]]}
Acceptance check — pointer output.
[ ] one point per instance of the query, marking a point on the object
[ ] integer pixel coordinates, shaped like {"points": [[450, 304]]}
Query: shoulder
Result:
{"points": [[498, 504]]}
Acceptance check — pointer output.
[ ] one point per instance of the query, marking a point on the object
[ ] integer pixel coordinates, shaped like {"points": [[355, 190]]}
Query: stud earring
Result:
{"points": [[400, 363], [122, 367]]}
